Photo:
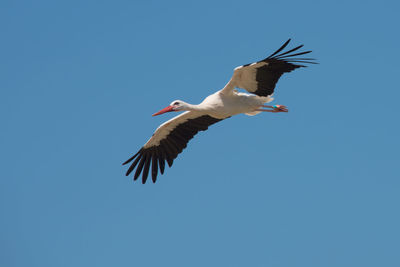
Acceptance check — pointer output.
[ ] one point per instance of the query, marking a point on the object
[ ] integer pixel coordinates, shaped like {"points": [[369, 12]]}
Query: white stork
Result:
{"points": [[171, 137]]}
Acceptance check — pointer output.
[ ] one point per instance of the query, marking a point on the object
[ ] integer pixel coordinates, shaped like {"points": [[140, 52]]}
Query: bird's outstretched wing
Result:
{"points": [[167, 142], [260, 78]]}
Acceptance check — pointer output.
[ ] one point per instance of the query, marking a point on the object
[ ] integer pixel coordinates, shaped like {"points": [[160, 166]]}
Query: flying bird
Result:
{"points": [[258, 78]]}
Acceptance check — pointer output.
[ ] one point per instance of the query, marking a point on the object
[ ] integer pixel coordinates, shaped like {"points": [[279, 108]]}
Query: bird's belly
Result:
{"points": [[220, 106], [231, 109]]}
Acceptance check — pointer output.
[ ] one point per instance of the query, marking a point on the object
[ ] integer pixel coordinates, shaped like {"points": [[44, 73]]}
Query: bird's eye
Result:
{"points": [[176, 104]]}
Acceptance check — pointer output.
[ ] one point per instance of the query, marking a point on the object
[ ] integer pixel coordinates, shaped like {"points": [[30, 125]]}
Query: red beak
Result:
{"points": [[167, 109]]}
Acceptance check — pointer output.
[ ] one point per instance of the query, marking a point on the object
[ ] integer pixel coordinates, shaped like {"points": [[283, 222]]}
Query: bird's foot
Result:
{"points": [[274, 109], [279, 108]]}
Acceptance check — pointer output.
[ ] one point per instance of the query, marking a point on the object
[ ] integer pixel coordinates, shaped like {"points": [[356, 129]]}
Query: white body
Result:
{"points": [[226, 104]]}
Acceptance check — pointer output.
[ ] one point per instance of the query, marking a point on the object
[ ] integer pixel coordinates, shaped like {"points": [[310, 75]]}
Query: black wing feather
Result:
{"points": [[293, 55], [161, 162], [140, 166], [290, 51], [277, 64], [168, 148], [280, 49], [146, 167]]}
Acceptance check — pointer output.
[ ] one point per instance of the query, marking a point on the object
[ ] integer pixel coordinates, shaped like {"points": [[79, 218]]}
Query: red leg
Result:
{"points": [[275, 109]]}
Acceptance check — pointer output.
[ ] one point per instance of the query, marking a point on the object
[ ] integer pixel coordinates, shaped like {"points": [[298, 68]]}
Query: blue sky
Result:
{"points": [[318, 186]]}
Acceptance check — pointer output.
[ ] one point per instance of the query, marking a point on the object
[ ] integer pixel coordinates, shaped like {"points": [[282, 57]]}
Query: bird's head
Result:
{"points": [[176, 105]]}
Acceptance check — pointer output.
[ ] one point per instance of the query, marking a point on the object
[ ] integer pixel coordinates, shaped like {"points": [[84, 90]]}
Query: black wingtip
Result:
{"points": [[281, 48], [145, 172], [133, 165], [289, 51], [140, 167], [283, 56], [289, 56], [131, 158], [301, 61], [126, 162], [154, 166]]}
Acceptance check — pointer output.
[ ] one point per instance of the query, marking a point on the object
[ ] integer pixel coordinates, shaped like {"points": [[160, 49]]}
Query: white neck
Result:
{"points": [[190, 107]]}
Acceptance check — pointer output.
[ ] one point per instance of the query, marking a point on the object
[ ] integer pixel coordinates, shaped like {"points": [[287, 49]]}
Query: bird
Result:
{"points": [[258, 79]]}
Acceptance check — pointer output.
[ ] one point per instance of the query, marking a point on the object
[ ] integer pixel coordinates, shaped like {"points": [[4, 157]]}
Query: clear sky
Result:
{"points": [[318, 186]]}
